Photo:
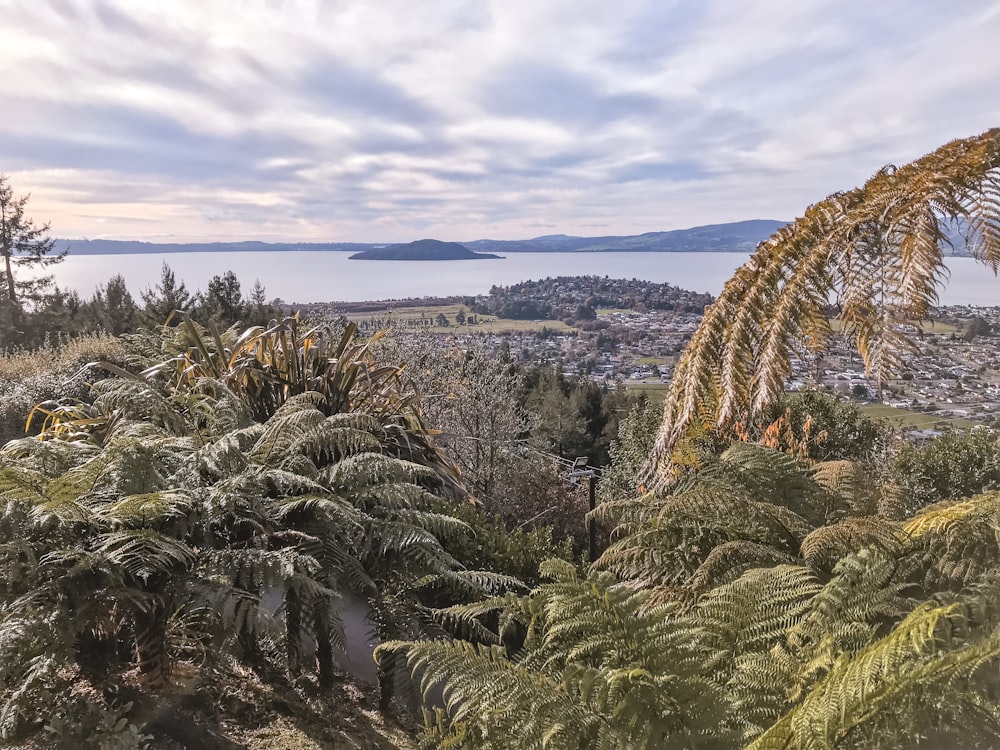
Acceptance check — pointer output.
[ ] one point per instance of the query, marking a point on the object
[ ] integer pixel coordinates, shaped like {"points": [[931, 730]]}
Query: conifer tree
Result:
{"points": [[23, 245], [165, 298]]}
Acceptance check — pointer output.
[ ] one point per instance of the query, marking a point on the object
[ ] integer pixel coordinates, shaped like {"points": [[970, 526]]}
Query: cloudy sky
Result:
{"points": [[389, 120]]}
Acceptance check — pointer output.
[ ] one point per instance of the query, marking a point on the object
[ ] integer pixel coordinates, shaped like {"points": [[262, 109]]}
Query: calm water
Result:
{"points": [[330, 276]]}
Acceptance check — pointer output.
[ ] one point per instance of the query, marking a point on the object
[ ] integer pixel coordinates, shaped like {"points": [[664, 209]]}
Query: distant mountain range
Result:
{"points": [[735, 237], [423, 250]]}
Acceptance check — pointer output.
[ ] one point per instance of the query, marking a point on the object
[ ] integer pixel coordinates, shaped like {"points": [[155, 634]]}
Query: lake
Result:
{"points": [[316, 276]]}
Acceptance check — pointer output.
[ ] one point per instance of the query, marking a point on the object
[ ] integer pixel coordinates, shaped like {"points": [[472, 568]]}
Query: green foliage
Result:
{"points": [[112, 308], [572, 417], [848, 433], [791, 657], [162, 507], [630, 450], [164, 300], [599, 669], [952, 466], [493, 546]]}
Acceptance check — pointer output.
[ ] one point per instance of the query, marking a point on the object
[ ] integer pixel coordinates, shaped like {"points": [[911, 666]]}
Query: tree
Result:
{"points": [[113, 308], [23, 245], [165, 299], [257, 310], [977, 326], [952, 466], [842, 429], [560, 428], [223, 300], [471, 396], [630, 450]]}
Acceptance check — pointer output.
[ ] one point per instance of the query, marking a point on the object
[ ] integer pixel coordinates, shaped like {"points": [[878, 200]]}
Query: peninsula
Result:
{"points": [[423, 250]]}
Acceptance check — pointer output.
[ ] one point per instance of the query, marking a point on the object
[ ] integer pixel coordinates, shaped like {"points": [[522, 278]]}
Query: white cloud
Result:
{"points": [[465, 118]]}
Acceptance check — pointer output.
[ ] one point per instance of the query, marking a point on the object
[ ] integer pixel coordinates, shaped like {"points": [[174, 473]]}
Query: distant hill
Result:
{"points": [[130, 247], [422, 250], [735, 237]]}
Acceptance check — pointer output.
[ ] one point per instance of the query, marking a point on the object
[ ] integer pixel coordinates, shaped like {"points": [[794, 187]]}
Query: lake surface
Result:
{"points": [[313, 276]]}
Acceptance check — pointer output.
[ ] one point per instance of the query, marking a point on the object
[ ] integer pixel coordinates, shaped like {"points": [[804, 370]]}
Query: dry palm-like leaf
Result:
{"points": [[874, 251]]}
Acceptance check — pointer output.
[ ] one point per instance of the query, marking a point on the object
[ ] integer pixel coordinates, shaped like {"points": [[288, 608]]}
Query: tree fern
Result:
{"points": [[599, 669], [920, 665]]}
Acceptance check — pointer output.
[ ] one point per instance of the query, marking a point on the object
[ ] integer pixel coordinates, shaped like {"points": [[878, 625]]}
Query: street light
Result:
{"points": [[581, 469]]}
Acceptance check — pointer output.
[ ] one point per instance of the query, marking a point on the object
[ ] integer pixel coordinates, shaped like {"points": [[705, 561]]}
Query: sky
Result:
{"points": [[392, 120]]}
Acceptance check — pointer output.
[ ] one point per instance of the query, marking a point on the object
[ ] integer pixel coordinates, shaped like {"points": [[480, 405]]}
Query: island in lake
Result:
{"points": [[423, 250]]}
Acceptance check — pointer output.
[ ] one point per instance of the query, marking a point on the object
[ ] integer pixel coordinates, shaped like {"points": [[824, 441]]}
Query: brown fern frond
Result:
{"points": [[875, 249]]}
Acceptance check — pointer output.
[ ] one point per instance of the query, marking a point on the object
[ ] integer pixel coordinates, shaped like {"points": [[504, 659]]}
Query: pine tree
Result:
{"points": [[23, 245], [166, 298], [112, 307], [223, 301]]}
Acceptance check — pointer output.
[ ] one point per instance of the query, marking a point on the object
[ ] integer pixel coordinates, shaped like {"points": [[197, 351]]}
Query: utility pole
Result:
{"points": [[581, 469]]}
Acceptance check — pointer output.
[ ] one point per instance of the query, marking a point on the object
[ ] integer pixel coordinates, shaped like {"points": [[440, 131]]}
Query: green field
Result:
{"points": [[901, 418], [655, 390], [399, 317], [908, 418]]}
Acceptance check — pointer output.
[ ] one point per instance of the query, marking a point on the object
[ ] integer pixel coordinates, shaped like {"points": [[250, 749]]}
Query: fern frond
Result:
{"points": [[917, 664], [752, 613], [875, 248], [828, 544]]}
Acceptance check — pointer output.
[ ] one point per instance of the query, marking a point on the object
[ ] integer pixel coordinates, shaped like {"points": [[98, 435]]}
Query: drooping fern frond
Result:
{"points": [[754, 612], [825, 546], [957, 541], [850, 483], [876, 249]]}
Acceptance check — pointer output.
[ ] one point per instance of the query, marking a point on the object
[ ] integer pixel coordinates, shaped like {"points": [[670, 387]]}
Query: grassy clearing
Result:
{"points": [[614, 311], [656, 391], [412, 311], [908, 418], [399, 316]]}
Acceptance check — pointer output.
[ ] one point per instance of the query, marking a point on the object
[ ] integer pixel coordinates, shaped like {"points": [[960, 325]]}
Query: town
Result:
{"points": [[629, 333]]}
